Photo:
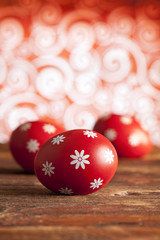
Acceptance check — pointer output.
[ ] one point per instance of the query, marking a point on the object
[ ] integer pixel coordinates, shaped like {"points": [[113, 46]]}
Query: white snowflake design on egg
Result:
{"points": [[33, 145], [25, 127], [134, 140], [90, 134], [109, 156], [58, 139], [79, 159], [126, 120], [48, 169], [96, 183], [111, 134], [49, 128], [66, 191]]}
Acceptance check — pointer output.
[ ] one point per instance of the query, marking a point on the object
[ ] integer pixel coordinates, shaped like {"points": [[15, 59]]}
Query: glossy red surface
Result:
{"points": [[126, 134], [26, 140], [76, 162]]}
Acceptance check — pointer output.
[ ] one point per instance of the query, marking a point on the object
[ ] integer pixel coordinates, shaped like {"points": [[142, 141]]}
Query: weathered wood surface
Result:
{"points": [[127, 208]]}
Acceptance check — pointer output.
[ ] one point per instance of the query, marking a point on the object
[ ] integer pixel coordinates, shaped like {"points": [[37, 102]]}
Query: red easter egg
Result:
{"points": [[76, 162], [26, 140], [126, 134]]}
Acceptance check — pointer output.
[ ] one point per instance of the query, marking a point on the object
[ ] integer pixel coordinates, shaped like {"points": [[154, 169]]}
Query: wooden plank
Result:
{"points": [[127, 208], [79, 233]]}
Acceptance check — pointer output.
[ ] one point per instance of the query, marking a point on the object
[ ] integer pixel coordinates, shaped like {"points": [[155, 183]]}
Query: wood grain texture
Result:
{"points": [[127, 208]]}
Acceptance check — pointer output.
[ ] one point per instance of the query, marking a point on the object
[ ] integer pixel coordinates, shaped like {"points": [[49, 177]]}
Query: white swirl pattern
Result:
{"points": [[49, 13], [74, 61], [113, 67], [11, 32]]}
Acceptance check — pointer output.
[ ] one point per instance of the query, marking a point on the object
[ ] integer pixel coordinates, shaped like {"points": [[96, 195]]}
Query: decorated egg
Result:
{"points": [[76, 162], [126, 134], [26, 140]]}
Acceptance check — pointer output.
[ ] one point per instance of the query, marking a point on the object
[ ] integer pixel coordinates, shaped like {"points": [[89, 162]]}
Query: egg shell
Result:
{"points": [[26, 140], [126, 134], [76, 162]]}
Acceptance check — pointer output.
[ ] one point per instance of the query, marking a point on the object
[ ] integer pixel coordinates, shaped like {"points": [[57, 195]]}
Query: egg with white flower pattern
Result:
{"points": [[26, 140], [126, 134], [76, 162]]}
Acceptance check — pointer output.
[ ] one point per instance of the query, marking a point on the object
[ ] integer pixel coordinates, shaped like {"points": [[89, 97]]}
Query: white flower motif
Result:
{"points": [[96, 183], [111, 134], [48, 169], [126, 120], [134, 140], [66, 191], [58, 139], [33, 145], [90, 134], [79, 159], [109, 156], [49, 128], [25, 127]]}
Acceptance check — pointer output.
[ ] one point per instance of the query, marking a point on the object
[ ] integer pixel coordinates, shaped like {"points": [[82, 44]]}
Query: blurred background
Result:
{"points": [[74, 61]]}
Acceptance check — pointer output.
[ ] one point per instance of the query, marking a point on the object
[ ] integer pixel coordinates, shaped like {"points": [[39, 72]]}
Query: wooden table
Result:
{"points": [[127, 208]]}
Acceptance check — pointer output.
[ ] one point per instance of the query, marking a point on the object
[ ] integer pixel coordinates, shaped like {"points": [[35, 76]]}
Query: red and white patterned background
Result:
{"points": [[75, 60]]}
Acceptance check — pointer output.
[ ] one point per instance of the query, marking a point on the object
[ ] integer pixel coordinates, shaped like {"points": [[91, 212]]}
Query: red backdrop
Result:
{"points": [[75, 60]]}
